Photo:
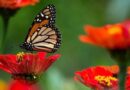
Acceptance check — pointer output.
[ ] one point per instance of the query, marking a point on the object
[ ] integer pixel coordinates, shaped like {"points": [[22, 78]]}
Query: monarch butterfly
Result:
{"points": [[43, 35]]}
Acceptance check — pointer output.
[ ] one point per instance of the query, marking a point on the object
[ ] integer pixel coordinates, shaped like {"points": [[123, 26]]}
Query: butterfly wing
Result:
{"points": [[45, 17], [47, 38], [43, 35]]}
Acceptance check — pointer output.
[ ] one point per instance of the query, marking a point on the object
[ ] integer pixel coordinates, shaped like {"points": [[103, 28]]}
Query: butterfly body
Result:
{"points": [[43, 35], [27, 46]]}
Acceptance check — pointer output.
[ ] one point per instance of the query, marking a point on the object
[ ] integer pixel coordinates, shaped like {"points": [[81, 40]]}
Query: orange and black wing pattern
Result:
{"points": [[45, 17], [43, 35]]}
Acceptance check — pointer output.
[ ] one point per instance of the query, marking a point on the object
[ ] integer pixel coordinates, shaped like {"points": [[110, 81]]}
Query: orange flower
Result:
{"points": [[12, 4], [99, 77], [128, 70], [116, 36]]}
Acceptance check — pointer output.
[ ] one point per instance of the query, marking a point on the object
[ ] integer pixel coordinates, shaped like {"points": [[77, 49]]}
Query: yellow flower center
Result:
{"points": [[3, 85], [114, 30], [105, 80], [20, 56]]}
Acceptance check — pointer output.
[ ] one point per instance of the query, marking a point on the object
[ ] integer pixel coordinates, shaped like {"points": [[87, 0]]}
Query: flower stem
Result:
{"points": [[122, 75], [122, 58], [5, 28], [6, 15]]}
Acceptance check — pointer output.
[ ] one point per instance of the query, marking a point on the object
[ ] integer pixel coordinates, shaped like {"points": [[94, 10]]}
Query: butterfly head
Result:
{"points": [[27, 46]]}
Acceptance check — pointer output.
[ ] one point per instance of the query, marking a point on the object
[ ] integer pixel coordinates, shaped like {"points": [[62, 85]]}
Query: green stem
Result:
{"points": [[122, 58], [5, 28], [122, 75], [6, 15]]}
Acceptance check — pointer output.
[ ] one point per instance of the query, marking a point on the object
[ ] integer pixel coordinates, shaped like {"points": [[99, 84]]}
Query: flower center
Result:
{"points": [[29, 77], [114, 30], [20, 56], [105, 80]]}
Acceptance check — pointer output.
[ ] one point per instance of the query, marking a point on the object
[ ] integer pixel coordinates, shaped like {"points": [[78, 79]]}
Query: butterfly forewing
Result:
{"points": [[43, 35], [45, 17]]}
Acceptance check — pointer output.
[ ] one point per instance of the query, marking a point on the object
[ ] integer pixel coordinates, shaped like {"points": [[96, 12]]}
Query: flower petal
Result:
{"points": [[111, 36], [41, 55]]}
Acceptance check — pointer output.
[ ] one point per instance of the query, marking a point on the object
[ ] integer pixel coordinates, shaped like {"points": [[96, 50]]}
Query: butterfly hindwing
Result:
{"points": [[47, 38]]}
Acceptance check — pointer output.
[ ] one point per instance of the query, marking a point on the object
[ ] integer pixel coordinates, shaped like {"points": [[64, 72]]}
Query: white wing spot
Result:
{"points": [[42, 15], [46, 17], [38, 29], [38, 19], [51, 19]]}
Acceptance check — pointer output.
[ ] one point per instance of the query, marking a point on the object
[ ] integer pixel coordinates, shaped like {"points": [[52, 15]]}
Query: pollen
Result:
{"points": [[105, 80], [20, 56]]}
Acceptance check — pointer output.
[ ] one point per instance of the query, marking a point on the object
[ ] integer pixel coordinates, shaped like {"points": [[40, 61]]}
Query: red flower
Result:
{"points": [[12, 4], [16, 85], [98, 78], [116, 36], [113, 69], [26, 66], [127, 83]]}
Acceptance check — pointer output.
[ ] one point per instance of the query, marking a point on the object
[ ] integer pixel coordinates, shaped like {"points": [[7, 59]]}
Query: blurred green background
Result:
{"points": [[72, 16]]}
